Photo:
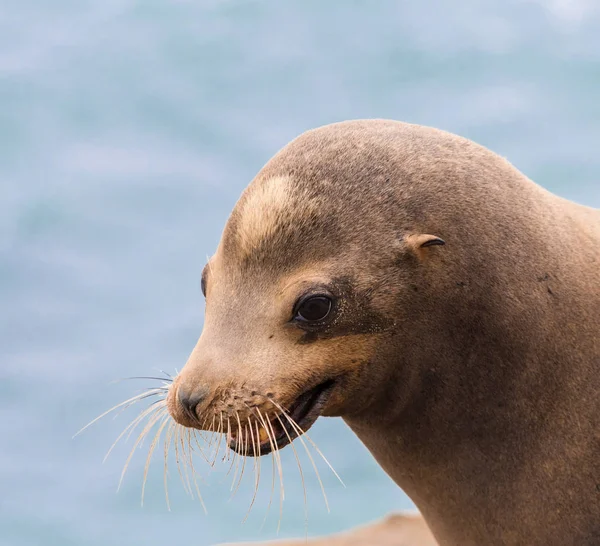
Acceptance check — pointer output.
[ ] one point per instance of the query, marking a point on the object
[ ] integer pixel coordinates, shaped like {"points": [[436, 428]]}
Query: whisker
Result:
{"points": [[182, 432], [167, 444], [208, 442], [177, 458], [164, 379], [241, 440], [244, 457], [195, 435], [212, 428], [165, 417], [312, 461], [301, 473], [256, 467], [215, 438], [219, 438], [193, 470], [160, 401], [145, 431], [234, 459], [237, 459], [295, 425], [131, 400], [258, 447], [277, 454], [156, 405], [246, 448], [323, 457], [280, 469], [131, 427], [272, 462], [227, 441], [169, 376], [142, 396]]}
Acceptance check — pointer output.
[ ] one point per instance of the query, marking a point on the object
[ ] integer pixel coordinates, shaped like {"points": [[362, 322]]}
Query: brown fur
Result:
{"points": [[471, 371]]}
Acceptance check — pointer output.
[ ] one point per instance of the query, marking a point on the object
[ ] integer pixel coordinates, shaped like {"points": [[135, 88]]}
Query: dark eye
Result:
{"points": [[313, 309], [203, 285]]}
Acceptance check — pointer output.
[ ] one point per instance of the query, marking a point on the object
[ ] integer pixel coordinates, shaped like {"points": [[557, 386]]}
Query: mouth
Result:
{"points": [[303, 412]]}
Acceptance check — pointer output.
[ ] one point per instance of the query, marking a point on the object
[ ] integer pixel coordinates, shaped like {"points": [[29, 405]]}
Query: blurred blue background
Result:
{"points": [[128, 129]]}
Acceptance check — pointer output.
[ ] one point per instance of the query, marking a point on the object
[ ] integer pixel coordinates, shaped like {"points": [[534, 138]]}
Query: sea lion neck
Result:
{"points": [[482, 455]]}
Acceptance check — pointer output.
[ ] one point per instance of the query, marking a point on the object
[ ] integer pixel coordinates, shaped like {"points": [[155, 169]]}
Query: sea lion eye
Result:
{"points": [[313, 309], [203, 283]]}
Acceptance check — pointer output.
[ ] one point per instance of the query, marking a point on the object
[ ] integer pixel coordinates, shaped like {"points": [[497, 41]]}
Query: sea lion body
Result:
{"points": [[463, 343]]}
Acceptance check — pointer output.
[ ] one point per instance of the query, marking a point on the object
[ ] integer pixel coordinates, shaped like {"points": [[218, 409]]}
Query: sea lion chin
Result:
{"points": [[419, 286]]}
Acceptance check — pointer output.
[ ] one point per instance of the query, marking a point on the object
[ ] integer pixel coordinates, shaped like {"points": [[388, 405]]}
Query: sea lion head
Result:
{"points": [[423, 289], [302, 294]]}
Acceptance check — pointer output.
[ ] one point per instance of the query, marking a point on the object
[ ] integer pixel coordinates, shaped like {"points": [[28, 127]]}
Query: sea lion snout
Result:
{"points": [[217, 389], [200, 405], [254, 419]]}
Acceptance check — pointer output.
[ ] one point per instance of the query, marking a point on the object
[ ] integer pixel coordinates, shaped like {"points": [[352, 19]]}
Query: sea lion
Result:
{"points": [[447, 307], [401, 529]]}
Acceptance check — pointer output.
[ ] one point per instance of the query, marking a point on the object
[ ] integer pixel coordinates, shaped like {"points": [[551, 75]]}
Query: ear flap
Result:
{"points": [[423, 240]]}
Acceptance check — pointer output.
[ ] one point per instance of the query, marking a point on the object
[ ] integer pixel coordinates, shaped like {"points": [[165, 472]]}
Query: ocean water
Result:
{"points": [[128, 129]]}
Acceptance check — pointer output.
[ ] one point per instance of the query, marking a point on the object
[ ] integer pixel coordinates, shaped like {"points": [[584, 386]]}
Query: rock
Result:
{"points": [[402, 529]]}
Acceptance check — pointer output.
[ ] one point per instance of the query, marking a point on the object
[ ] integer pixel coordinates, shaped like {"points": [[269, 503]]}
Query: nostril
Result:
{"points": [[189, 400]]}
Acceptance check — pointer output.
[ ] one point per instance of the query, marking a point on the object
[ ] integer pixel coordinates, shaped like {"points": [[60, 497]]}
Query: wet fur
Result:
{"points": [[471, 370]]}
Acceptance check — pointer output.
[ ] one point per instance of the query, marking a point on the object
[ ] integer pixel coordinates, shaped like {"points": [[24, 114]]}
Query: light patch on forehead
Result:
{"points": [[267, 205]]}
